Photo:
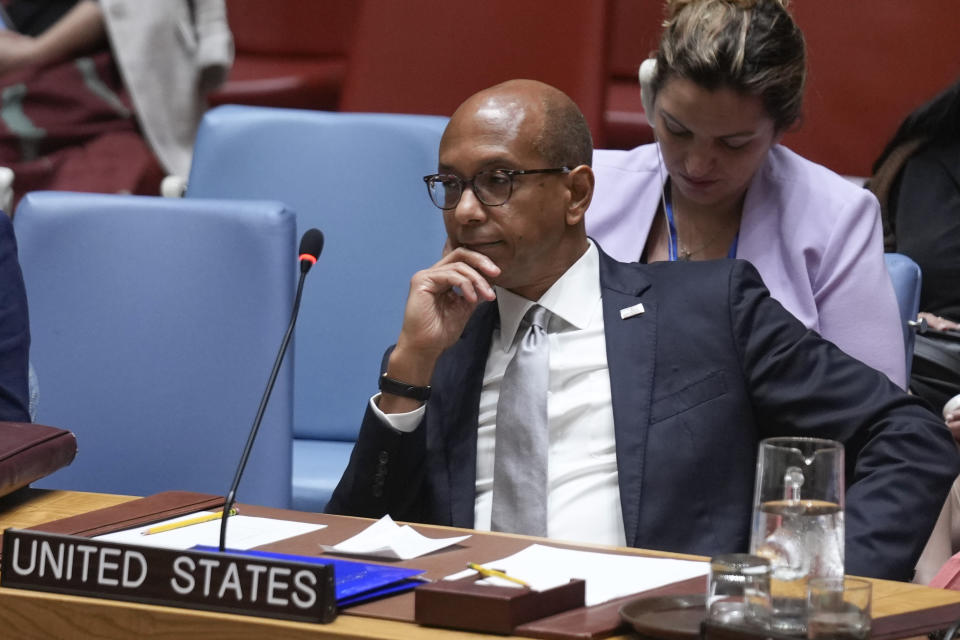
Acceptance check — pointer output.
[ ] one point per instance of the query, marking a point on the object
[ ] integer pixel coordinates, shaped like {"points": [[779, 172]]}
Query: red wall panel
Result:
{"points": [[871, 62]]}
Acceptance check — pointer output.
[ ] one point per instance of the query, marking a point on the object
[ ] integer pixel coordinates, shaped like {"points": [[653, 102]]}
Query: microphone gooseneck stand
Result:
{"points": [[310, 247]]}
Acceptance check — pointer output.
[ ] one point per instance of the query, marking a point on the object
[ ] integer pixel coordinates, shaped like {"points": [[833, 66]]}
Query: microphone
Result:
{"points": [[311, 244]]}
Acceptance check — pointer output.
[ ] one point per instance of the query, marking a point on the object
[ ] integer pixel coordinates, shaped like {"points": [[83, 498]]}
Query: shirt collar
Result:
{"points": [[572, 298]]}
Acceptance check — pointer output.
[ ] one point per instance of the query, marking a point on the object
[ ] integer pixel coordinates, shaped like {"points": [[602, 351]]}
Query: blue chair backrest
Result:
{"points": [[155, 323], [358, 178], [906, 278]]}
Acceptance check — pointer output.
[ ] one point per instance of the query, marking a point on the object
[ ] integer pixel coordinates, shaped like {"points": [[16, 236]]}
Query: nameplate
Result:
{"points": [[192, 579]]}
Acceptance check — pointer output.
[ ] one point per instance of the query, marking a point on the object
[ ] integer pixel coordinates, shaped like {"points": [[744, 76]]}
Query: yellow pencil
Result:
{"points": [[493, 573], [186, 523]]}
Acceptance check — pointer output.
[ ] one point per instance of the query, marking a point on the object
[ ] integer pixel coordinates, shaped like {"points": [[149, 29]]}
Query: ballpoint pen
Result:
{"points": [[186, 523], [494, 573]]}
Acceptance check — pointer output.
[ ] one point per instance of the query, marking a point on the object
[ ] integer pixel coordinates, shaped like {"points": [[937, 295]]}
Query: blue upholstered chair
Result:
{"points": [[906, 278], [155, 323], [357, 177]]}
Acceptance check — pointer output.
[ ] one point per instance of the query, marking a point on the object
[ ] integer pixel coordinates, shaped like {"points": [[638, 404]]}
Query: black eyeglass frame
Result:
{"points": [[509, 173]]}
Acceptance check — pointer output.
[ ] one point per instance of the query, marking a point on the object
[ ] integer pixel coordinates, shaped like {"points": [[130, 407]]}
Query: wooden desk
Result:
{"points": [[34, 615], [29, 507]]}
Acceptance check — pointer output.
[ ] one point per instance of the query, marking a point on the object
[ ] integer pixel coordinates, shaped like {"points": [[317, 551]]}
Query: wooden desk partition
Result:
{"points": [[900, 609]]}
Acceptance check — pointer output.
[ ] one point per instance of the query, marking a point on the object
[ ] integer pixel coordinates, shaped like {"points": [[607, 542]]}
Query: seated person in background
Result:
{"points": [[917, 180], [14, 330], [641, 425], [106, 95], [727, 83]]}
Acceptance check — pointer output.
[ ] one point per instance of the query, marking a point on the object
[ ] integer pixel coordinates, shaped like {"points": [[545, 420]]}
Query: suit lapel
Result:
{"points": [[631, 351], [467, 362], [631, 347]]}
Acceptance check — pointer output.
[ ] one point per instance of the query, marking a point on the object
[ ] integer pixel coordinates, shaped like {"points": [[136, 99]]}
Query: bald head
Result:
{"points": [[528, 132], [551, 122]]}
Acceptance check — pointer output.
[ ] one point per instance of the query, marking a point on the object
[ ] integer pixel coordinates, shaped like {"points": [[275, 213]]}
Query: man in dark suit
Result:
{"points": [[14, 330], [663, 378]]}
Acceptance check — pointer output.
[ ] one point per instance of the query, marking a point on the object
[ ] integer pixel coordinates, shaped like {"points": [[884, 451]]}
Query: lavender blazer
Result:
{"points": [[814, 237]]}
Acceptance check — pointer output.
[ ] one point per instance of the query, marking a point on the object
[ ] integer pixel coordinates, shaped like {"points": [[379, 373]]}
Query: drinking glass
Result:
{"points": [[738, 590], [838, 608], [798, 521]]}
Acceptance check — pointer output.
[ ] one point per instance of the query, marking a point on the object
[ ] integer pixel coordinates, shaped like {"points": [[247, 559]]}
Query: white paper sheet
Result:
{"points": [[386, 539], [243, 532], [608, 575]]}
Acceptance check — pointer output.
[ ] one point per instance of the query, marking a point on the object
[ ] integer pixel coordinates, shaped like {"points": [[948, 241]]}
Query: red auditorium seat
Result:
{"points": [[421, 56], [289, 54]]}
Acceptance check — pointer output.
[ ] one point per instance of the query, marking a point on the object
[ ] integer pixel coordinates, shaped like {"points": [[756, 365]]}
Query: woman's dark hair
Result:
{"points": [[935, 122]]}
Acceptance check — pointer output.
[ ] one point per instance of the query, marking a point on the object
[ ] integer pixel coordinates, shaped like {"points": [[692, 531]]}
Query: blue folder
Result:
{"points": [[354, 582]]}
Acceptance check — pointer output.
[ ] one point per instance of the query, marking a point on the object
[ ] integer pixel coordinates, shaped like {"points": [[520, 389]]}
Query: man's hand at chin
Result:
{"points": [[441, 300]]}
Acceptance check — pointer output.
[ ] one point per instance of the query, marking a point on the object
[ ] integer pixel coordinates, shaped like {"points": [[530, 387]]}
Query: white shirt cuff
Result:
{"points": [[402, 422]]}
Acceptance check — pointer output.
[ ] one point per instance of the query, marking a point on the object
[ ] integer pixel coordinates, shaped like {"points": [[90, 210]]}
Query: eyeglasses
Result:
{"points": [[492, 188]]}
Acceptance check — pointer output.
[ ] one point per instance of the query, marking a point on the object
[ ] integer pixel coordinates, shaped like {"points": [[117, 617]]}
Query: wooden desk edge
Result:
{"points": [[29, 507], [34, 614]]}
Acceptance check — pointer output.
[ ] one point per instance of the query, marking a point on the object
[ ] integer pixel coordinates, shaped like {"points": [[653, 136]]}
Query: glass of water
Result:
{"points": [[798, 521], [838, 608], [738, 590]]}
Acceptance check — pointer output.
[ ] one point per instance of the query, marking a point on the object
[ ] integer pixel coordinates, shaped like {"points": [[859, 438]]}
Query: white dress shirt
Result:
{"points": [[583, 499]]}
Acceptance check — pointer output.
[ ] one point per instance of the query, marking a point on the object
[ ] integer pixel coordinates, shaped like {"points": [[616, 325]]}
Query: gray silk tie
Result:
{"points": [[522, 438]]}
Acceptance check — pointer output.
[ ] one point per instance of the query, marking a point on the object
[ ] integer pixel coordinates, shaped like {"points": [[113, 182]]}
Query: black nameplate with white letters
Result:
{"points": [[193, 579]]}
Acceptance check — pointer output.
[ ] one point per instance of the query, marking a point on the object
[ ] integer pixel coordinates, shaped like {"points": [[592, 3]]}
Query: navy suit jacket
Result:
{"points": [[14, 330], [711, 367]]}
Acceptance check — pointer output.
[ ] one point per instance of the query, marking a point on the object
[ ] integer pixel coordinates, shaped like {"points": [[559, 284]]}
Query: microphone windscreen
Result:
{"points": [[311, 243]]}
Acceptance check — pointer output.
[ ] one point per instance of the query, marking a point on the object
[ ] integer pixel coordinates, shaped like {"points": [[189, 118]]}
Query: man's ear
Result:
{"points": [[580, 182]]}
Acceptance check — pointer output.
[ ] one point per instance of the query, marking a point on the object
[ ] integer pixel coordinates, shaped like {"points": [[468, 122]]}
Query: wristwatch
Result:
{"points": [[397, 388]]}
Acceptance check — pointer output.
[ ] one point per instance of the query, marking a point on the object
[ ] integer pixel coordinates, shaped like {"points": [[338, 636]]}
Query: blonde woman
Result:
{"points": [[725, 84]]}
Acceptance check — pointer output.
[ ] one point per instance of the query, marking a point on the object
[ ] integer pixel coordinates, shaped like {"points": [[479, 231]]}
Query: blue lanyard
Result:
{"points": [[672, 251]]}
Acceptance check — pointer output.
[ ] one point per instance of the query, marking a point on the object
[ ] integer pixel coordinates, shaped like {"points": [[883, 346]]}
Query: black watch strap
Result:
{"points": [[397, 388]]}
